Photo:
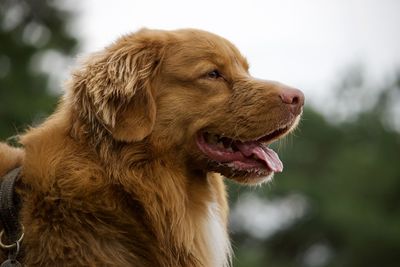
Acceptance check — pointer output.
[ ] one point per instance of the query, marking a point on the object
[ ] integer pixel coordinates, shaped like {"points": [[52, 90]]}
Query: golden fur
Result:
{"points": [[114, 178], [10, 158]]}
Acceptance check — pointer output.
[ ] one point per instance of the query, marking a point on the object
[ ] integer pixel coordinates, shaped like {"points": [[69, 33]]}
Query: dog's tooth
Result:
{"points": [[230, 149]]}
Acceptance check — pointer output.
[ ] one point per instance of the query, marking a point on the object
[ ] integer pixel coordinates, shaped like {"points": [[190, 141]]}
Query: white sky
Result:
{"points": [[304, 43]]}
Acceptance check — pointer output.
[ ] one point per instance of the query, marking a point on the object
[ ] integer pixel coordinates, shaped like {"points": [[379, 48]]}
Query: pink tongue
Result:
{"points": [[263, 153]]}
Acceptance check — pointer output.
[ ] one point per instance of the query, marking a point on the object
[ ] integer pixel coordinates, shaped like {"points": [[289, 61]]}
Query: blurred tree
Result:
{"points": [[349, 174], [30, 31]]}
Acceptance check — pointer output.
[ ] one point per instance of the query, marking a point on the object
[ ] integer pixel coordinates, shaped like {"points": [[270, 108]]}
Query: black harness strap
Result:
{"points": [[12, 233]]}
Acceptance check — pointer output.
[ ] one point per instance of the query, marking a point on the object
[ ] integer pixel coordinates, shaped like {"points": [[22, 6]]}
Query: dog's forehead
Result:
{"points": [[192, 43]]}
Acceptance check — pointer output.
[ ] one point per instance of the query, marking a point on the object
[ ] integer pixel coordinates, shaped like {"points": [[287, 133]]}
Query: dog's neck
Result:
{"points": [[180, 210], [189, 207]]}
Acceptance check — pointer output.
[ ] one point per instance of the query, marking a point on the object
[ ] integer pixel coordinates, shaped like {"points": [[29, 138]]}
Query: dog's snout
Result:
{"points": [[294, 98]]}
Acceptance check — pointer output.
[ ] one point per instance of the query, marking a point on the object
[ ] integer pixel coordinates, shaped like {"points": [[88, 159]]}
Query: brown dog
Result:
{"points": [[127, 171]]}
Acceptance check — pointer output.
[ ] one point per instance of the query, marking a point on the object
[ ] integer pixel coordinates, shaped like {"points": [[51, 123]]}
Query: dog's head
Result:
{"points": [[188, 93]]}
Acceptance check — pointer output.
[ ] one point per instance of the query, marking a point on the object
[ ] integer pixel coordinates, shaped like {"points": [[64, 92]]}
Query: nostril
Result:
{"points": [[290, 98], [294, 98]]}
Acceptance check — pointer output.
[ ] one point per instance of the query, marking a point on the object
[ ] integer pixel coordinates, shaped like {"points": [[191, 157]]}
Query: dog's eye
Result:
{"points": [[214, 74]]}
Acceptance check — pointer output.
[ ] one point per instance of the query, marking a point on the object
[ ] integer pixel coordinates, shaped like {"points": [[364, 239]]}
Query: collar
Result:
{"points": [[10, 204]]}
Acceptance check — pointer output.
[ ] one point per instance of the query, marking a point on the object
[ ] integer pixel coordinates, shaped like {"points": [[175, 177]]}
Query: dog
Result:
{"points": [[129, 169]]}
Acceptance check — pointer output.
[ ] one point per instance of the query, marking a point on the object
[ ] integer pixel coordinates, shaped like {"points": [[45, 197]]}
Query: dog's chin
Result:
{"points": [[254, 176]]}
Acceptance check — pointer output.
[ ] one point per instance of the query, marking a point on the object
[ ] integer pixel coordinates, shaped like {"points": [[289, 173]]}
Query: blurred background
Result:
{"points": [[337, 203]]}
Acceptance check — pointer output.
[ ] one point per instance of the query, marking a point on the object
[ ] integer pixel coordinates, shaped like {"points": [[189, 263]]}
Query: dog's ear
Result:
{"points": [[113, 89]]}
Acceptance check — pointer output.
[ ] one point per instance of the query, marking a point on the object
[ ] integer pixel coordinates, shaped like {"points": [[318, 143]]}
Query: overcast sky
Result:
{"points": [[304, 43]]}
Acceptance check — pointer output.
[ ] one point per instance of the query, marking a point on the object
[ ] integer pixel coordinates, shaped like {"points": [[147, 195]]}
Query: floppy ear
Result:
{"points": [[113, 89]]}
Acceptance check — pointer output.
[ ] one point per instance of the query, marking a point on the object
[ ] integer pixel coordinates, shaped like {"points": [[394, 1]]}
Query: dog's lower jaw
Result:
{"points": [[251, 181]]}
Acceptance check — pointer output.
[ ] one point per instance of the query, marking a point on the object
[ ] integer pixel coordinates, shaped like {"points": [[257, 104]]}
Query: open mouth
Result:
{"points": [[251, 156]]}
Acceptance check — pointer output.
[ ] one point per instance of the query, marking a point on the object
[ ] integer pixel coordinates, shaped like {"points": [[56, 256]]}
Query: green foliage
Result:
{"points": [[28, 30]]}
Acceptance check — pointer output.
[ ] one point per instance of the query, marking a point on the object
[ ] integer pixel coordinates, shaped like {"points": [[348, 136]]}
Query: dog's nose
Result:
{"points": [[294, 98]]}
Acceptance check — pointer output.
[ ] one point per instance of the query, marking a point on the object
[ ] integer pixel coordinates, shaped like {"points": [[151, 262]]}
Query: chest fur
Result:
{"points": [[216, 237]]}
